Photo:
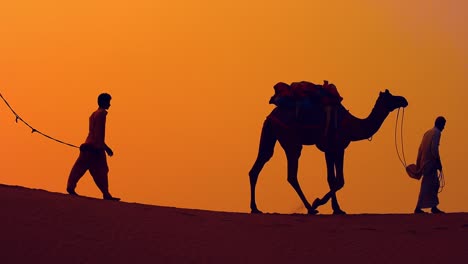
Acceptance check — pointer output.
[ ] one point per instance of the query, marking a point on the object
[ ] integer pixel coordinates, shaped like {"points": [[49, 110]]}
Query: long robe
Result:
{"points": [[427, 163]]}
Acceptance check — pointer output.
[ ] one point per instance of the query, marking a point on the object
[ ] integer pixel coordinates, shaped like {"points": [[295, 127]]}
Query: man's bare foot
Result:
{"points": [[256, 211], [111, 198], [419, 211], [71, 192], [436, 210]]}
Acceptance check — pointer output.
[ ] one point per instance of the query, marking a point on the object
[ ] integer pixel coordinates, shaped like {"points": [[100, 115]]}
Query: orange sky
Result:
{"points": [[191, 80]]}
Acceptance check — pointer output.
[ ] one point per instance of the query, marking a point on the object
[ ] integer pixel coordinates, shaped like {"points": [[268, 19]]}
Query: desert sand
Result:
{"points": [[38, 226]]}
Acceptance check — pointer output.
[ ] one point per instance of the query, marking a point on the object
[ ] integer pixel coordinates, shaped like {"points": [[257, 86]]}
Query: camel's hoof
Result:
{"points": [[312, 211], [339, 212], [316, 203], [256, 211]]}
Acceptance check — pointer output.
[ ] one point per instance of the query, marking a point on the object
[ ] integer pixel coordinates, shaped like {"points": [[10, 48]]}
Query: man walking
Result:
{"points": [[428, 163], [93, 152]]}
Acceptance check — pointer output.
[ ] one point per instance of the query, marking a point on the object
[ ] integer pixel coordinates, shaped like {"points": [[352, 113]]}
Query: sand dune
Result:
{"points": [[42, 227]]}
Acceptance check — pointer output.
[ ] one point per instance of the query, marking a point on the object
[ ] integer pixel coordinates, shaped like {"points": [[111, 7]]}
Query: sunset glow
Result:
{"points": [[191, 80]]}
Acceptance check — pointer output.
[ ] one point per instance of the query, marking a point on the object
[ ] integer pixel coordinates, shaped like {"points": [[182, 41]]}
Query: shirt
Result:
{"points": [[428, 153], [97, 129]]}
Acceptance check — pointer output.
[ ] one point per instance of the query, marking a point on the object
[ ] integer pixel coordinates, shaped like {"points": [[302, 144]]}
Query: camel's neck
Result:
{"points": [[359, 129]]}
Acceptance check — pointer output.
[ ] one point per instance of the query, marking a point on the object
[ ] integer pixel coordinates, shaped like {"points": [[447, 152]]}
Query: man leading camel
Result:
{"points": [[93, 152]]}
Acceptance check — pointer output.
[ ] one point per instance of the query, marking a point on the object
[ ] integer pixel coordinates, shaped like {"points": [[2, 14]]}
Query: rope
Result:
{"points": [[33, 130], [402, 157], [401, 136], [441, 181]]}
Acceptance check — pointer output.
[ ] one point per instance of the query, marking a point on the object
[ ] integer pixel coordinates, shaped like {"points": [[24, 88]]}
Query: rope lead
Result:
{"points": [[402, 157], [33, 130]]}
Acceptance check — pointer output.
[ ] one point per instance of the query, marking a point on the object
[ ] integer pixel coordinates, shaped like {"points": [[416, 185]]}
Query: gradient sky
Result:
{"points": [[191, 80]]}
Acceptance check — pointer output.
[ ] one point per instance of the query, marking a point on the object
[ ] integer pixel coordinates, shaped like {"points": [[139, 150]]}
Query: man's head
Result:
{"points": [[104, 100], [440, 123]]}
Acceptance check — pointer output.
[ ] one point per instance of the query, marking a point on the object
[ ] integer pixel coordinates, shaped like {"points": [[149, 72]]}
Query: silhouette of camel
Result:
{"points": [[281, 126]]}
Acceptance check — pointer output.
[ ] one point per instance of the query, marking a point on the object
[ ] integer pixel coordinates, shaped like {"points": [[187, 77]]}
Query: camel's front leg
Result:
{"points": [[335, 180], [292, 156]]}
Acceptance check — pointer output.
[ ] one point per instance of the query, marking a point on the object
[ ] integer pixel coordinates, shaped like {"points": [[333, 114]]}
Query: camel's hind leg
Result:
{"points": [[265, 152]]}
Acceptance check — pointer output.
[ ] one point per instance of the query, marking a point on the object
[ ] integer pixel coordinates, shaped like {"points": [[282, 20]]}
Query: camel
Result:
{"points": [[281, 125]]}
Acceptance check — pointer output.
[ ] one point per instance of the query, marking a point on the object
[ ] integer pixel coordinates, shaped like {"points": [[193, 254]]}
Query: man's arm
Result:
{"points": [[102, 133], [101, 125], [109, 151], [100, 129], [435, 149]]}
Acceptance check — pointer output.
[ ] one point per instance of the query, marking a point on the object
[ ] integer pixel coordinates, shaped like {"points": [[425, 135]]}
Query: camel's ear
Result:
{"points": [[387, 91]]}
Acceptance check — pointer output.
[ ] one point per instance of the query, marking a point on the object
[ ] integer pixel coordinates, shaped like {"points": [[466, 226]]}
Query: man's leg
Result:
{"points": [[429, 189], [78, 170], [436, 210], [435, 194], [418, 210], [99, 170]]}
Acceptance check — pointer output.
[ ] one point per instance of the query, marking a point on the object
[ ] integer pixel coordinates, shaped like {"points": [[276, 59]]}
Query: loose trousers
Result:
{"points": [[96, 162]]}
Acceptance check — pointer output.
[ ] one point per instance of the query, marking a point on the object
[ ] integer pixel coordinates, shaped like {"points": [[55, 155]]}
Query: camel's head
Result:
{"points": [[391, 102]]}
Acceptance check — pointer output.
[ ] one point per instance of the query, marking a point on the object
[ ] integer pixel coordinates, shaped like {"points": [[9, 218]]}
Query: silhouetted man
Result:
{"points": [[429, 163], [93, 152]]}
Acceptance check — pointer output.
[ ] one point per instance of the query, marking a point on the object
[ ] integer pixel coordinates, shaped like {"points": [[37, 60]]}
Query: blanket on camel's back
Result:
{"points": [[303, 102], [288, 117], [288, 95]]}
